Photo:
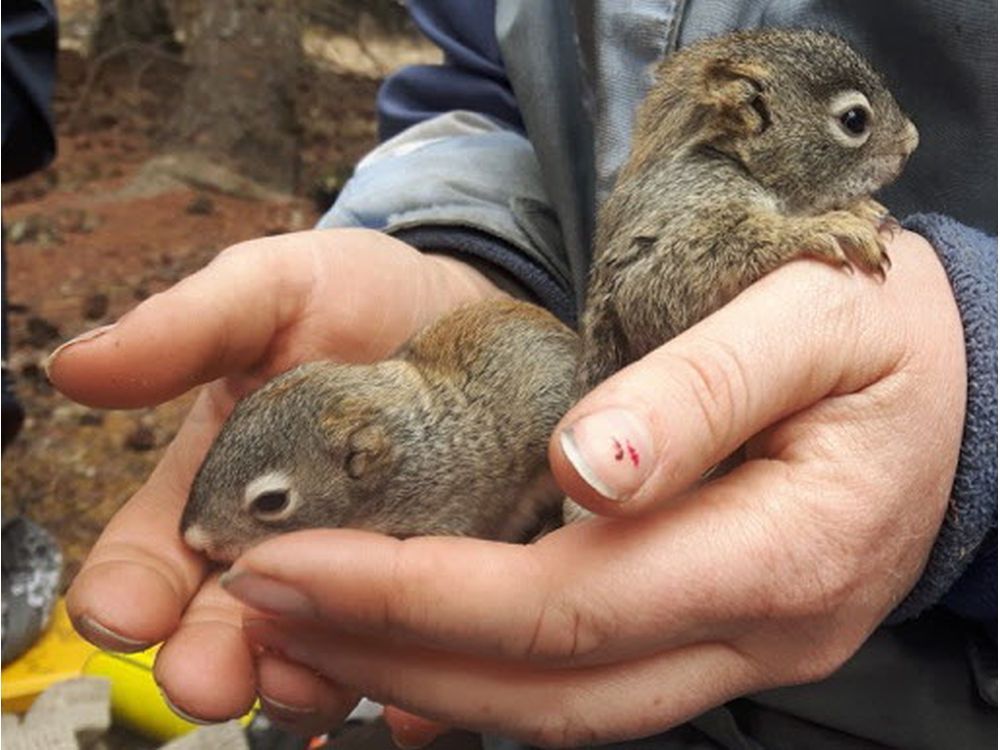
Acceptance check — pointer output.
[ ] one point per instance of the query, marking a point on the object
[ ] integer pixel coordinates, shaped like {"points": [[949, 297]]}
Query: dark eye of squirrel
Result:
{"points": [[855, 120], [270, 502]]}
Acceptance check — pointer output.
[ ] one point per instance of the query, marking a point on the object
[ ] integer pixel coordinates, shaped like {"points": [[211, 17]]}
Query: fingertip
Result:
{"points": [[206, 670], [123, 606], [604, 459], [298, 698], [410, 731]]}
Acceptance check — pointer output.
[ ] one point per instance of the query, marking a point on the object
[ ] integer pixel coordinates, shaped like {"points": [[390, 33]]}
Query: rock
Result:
{"points": [[91, 419], [95, 306], [200, 205], [34, 228], [75, 221], [41, 332], [142, 438]]}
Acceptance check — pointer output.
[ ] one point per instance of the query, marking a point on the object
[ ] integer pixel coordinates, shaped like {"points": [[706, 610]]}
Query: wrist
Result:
{"points": [[456, 282]]}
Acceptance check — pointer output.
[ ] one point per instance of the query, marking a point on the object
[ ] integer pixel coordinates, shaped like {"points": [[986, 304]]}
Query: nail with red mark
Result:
{"points": [[596, 446]]}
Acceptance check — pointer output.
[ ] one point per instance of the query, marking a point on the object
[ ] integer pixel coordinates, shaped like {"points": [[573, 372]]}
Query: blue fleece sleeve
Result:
{"points": [[962, 571], [471, 78]]}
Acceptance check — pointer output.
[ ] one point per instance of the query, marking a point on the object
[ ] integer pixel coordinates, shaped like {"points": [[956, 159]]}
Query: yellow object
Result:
{"points": [[59, 654], [136, 701]]}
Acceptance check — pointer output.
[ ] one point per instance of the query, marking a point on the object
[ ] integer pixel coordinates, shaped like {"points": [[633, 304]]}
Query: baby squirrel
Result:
{"points": [[751, 149], [449, 436]]}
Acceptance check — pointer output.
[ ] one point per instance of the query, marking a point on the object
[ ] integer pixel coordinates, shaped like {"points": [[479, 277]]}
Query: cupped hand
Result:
{"points": [[260, 308], [849, 396]]}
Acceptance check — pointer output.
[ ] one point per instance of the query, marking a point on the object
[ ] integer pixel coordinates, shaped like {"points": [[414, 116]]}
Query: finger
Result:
{"points": [[139, 576], [282, 299], [205, 669], [588, 593], [561, 707], [300, 700], [412, 731], [219, 319], [654, 428]]}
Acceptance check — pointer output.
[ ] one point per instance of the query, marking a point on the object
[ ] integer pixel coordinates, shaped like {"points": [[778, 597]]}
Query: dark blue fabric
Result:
{"points": [[548, 293], [472, 76], [29, 59], [962, 571]]}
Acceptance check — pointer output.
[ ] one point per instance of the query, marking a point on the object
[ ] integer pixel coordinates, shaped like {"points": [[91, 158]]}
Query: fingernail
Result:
{"points": [[105, 638], [295, 715], [82, 338], [183, 714], [611, 450], [405, 744], [267, 594]]}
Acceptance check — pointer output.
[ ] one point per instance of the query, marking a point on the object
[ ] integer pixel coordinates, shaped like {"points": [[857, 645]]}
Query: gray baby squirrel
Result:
{"points": [[449, 436], [751, 149]]}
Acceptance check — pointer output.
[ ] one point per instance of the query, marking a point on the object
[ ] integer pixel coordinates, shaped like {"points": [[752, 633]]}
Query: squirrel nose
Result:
{"points": [[196, 538], [911, 138]]}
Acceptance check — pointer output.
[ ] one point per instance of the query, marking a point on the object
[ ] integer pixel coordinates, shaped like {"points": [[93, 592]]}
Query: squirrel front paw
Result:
{"points": [[851, 238]]}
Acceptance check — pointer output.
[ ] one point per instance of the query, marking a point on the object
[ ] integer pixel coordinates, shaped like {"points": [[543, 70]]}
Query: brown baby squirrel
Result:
{"points": [[751, 149], [448, 436]]}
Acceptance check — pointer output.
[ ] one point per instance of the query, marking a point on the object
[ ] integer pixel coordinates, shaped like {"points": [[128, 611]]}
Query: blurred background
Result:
{"points": [[183, 126]]}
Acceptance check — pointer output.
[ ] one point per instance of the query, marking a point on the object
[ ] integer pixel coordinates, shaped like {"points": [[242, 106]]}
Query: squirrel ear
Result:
{"points": [[366, 446], [735, 91]]}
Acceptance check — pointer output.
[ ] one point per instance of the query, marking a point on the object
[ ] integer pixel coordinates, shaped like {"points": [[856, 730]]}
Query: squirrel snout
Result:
{"points": [[196, 538], [200, 540], [911, 138]]}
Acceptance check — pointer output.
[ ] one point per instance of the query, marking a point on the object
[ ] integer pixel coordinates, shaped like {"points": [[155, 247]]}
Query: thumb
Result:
{"points": [[653, 429], [217, 320]]}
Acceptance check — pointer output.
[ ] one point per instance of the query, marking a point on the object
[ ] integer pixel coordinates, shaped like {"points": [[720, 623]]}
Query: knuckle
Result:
{"points": [[566, 632], [715, 383]]}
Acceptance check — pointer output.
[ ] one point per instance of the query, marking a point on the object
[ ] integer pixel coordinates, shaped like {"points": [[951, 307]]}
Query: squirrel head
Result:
{"points": [[801, 111], [315, 447]]}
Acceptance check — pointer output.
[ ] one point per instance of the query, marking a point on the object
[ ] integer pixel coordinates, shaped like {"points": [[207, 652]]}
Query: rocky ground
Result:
{"points": [[88, 238]]}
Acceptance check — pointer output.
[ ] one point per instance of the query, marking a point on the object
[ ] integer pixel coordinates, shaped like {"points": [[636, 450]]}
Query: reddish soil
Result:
{"points": [[80, 252]]}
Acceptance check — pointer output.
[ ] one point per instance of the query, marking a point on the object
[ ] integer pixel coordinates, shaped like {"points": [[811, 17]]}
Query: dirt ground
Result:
{"points": [[83, 246]]}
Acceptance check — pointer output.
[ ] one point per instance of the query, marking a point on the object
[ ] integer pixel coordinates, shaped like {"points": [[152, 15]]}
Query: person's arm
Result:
{"points": [[455, 172], [962, 571], [29, 59]]}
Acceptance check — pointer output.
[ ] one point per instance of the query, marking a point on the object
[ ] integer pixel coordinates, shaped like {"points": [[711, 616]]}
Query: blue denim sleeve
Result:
{"points": [[471, 78], [962, 571], [455, 172]]}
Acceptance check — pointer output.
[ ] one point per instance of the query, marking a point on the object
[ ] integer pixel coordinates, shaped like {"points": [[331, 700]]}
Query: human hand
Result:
{"points": [[260, 308], [849, 394]]}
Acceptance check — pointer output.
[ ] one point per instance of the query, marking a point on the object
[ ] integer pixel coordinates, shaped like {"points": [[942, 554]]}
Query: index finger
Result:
{"points": [[593, 592]]}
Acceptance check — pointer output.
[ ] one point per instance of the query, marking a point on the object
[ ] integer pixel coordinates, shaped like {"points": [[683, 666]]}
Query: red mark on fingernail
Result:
{"points": [[633, 454], [619, 451]]}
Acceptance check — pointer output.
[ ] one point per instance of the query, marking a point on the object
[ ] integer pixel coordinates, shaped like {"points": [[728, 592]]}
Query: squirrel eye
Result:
{"points": [[270, 497], [855, 120], [269, 503], [850, 118]]}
